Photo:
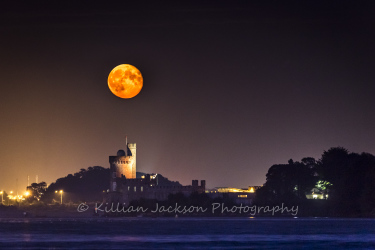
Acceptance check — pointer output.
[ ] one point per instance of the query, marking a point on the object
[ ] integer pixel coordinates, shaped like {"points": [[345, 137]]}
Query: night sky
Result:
{"points": [[230, 88]]}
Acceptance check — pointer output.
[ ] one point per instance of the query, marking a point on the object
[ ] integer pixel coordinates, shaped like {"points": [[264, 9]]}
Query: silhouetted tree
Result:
{"points": [[36, 190], [333, 164], [348, 178], [366, 198], [288, 182], [85, 185]]}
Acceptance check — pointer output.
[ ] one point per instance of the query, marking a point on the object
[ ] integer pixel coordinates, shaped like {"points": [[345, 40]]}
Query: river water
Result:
{"points": [[187, 233]]}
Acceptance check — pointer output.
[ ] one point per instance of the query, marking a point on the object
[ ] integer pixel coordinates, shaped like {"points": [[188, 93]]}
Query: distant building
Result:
{"points": [[239, 195], [125, 187], [250, 189]]}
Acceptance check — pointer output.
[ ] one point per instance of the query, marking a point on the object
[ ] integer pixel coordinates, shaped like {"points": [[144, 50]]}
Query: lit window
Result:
{"points": [[128, 188], [315, 196], [242, 195], [141, 188], [135, 189]]}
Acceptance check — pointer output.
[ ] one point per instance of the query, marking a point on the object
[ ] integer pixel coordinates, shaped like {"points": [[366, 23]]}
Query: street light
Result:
{"points": [[61, 192]]}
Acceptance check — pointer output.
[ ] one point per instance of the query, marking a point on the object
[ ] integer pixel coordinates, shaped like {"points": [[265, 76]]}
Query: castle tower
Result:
{"points": [[123, 165], [133, 149]]}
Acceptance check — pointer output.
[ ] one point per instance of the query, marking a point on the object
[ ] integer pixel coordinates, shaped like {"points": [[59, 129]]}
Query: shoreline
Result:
{"points": [[73, 211]]}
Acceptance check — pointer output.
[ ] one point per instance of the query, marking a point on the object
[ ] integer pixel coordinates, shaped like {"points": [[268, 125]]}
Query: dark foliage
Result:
{"points": [[288, 182], [84, 186], [87, 185], [36, 191], [347, 178], [352, 176]]}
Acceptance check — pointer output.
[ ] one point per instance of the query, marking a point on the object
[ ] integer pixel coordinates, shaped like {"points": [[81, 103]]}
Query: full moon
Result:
{"points": [[125, 81]]}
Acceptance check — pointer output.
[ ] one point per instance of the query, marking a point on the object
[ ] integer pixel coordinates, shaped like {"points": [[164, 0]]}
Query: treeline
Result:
{"points": [[87, 185], [83, 186], [346, 181]]}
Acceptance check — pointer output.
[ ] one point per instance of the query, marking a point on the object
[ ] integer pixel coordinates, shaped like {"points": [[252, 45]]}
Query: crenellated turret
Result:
{"points": [[123, 165]]}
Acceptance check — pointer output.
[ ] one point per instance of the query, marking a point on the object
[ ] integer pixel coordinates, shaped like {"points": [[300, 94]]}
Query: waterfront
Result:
{"points": [[187, 233]]}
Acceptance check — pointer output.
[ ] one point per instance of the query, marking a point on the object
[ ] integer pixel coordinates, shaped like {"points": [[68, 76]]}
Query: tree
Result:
{"points": [[333, 163], [351, 177], [288, 182], [36, 190], [85, 185], [347, 178]]}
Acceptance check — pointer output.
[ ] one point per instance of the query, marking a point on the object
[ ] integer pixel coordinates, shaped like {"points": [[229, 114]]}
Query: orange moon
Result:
{"points": [[125, 81]]}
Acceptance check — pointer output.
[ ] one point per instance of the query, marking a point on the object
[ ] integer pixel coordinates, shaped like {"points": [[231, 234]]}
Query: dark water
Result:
{"points": [[190, 233]]}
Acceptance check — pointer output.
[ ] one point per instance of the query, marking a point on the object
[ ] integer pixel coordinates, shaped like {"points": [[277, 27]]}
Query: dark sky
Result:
{"points": [[230, 88]]}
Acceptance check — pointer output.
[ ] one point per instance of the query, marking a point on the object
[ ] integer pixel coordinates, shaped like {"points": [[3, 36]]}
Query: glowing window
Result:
{"points": [[135, 189], [141, 188]]}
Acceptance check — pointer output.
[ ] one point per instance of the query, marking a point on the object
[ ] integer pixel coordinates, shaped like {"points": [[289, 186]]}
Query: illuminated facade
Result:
{"points": [[250, 189], [239, 195], [124, 164]]}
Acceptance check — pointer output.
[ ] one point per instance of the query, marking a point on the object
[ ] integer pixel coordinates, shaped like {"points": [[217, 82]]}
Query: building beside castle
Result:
{"points": [[125, 187], [238, 195]]}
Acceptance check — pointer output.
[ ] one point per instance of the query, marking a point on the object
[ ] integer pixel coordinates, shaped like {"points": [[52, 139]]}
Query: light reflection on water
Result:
{"points": [[186, 238], [165, 233]]}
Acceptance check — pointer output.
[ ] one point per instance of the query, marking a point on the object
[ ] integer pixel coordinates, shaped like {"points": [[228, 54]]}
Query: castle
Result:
{"points": [[125, 187]]}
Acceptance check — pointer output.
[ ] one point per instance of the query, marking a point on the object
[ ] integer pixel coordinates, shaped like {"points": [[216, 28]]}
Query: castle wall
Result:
{"points": [[135, 189], [124, 187]]}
